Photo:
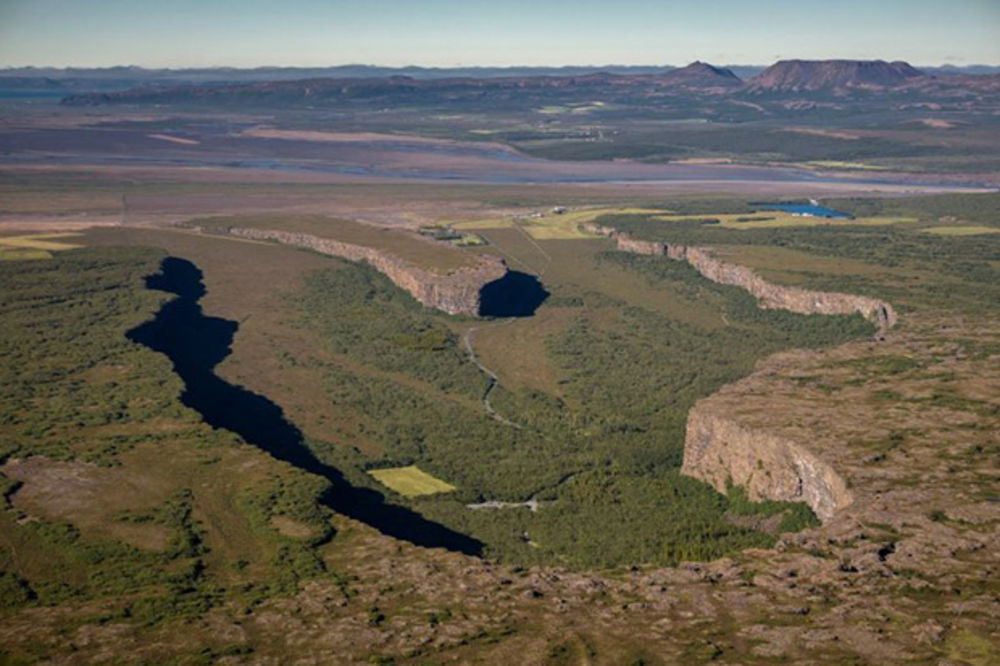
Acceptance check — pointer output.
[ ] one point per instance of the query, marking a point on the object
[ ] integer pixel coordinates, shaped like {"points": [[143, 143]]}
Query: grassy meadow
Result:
{"points": [[410, 481], [119, 500], [34, 246]]}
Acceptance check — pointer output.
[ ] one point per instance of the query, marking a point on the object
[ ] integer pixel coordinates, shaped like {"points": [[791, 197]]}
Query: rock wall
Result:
{"points": [[719, 451], [457, 292], [793, 299], [717, 448], [769, 295]]}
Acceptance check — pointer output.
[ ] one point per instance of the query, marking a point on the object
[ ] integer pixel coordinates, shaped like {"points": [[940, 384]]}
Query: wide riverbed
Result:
{"points": [[360, 155]]}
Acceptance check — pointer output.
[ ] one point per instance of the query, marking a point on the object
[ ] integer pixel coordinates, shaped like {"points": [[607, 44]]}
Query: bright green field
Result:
{"points": [[411, 481]]}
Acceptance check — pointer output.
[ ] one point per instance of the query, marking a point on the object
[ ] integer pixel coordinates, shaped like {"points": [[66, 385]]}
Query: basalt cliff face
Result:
{"points": [[769, 295], [719, 447], [456, 292], [720, 451]]}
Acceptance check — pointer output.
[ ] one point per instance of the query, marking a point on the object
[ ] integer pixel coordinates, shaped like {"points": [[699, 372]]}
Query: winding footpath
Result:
{"points": [[492, 380]]}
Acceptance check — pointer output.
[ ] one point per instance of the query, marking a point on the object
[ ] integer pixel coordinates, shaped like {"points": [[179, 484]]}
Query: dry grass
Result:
{"points": [[553, 226], [411, 481], [33, 247], [836, 164], [39, 242], [19, 254], [962, 230], [404, 244]]}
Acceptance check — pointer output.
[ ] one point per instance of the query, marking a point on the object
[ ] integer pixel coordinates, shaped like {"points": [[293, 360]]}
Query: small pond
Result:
{"points": [[809, 209]]}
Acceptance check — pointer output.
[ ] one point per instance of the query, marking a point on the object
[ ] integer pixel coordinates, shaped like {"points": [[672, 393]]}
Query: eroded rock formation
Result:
{"points": [[769, 295], [456, 292], [720, 451]]}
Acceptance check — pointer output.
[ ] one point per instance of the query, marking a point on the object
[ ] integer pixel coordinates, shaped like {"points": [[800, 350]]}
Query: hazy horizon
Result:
{"points": [[516, 33], [482, 66]]}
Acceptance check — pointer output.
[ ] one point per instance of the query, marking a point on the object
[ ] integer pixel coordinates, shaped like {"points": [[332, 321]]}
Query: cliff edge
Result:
{"points": [[768, 295], [456, 292], [721, 451]]}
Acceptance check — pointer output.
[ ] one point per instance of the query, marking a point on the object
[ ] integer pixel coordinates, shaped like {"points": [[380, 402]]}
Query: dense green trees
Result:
{"points": [[607, 469], [74, 388]]}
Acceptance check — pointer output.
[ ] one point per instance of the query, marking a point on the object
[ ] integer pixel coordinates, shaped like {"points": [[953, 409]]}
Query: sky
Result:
{"points": [[249, 33]]}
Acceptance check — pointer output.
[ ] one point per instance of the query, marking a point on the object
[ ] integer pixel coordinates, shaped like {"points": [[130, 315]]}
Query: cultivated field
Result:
{"points": [[411, 481]]}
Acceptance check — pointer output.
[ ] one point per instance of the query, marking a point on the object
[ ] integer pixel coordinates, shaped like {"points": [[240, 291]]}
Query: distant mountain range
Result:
{"points": [[119, 78], [814, 79]]}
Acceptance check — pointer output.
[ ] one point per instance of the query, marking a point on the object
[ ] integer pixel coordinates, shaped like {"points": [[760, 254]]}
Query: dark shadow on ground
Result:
{"points": [[197, 344], [516, 294]]}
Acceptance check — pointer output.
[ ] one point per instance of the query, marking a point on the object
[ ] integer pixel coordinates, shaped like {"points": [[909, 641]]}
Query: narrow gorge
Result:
{"points": [[718, 448]]}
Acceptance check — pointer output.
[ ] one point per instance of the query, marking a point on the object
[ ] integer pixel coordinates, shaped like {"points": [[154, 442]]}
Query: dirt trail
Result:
{"points": [[492, 380]]}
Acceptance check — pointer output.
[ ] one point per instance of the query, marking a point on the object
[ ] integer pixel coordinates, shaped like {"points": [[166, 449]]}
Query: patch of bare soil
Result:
{"points": [[291, 528], [174, 139], [937, 123], [56, 224], [87, 496], [335, 137], [833, 134]]}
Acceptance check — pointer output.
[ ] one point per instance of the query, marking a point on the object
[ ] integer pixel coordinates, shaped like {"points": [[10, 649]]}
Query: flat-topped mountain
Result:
{"points": [[796, 75]]}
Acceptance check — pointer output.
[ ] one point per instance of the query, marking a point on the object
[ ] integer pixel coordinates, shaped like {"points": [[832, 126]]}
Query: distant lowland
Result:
{"points": [[874, 118]]}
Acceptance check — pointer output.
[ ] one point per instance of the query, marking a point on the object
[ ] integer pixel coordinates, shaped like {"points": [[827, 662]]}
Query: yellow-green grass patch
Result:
{"points": [[836, 164], [964, 230], [561, 226], [410, 481], [485, 223], [39, 242], [22, 254], [775, 219], [553, 226]]}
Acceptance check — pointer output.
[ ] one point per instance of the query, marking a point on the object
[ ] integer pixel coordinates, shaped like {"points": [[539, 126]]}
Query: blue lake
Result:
{"points": [[805, 209]]}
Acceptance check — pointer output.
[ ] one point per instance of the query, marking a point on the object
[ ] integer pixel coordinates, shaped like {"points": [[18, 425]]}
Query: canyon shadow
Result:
{"points": [[196, 344], [516, 294]]}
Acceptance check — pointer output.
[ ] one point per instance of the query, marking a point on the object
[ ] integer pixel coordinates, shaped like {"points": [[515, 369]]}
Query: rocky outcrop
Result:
{"points": [[717, 448], [769, 295], [720, 451], [793, 299], [456, 292]]}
